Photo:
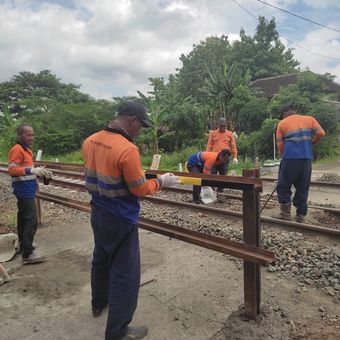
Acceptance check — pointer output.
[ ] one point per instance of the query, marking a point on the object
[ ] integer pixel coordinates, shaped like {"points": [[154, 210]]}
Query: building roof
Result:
{"points": [[271, 85]]}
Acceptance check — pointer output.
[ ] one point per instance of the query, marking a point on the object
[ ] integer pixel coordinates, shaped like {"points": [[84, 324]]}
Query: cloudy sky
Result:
{"points": [[112, 47]]}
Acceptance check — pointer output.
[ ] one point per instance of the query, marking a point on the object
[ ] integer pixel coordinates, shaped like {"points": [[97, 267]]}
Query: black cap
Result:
{"points": [[285, 108], [134, 109]]}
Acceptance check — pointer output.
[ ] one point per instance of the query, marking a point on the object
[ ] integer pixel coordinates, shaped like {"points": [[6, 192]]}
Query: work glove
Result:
{"points": [[168, 179], [47, 174], [39, 171], [235, 161]]}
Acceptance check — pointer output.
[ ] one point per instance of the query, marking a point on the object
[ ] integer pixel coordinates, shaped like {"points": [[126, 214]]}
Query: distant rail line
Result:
{"points": [[75, 181]]}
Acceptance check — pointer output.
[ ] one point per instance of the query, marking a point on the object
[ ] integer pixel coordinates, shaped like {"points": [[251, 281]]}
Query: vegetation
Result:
{"points": [[213, 82]]}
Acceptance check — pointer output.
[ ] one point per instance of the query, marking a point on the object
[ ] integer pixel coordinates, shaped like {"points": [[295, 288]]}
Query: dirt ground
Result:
{"points": [[190, 292]]}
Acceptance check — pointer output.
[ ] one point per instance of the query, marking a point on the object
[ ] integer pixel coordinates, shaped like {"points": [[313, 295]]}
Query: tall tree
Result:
{"points": [[263, 54], [209, 55]]}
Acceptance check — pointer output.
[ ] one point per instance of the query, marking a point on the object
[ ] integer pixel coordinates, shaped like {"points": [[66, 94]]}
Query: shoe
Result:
{"points": [[197, 201], [33, 258], [284, 213], [300, 218], [97, 311], [135, 333]]}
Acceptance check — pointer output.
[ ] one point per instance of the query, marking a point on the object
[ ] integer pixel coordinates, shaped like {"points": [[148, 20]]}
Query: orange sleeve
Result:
{"points": [[210, 142], [209, 159], [279, 138], [318, 132], [15, 159], [134, 176]]}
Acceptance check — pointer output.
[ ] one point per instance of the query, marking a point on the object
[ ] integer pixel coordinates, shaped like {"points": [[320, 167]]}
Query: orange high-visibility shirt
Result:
{"points": [[114, 174], [295, 136], [222, 140]]}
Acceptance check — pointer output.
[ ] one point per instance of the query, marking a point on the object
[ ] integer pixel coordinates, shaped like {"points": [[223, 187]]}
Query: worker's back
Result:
{"points": [[296, 132]]}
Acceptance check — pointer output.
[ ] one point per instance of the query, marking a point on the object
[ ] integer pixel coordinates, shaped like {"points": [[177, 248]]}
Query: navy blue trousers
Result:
{"points": [[27, 224], [115, 273], [196, 189], [295, 172]]}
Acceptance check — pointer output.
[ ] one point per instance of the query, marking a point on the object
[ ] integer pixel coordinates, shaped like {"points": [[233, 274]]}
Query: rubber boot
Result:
{"points": [[284, 213], [300, 218]]}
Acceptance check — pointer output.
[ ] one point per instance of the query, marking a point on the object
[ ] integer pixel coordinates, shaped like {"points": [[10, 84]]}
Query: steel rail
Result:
{"points": [[276, 221], [249, 253], [80, 168], [212, 210], [239, 198]]}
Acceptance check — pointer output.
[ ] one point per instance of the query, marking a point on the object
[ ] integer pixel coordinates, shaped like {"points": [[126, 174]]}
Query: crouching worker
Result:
{"points": [[115, 179], [24, 183], [206, 162]]}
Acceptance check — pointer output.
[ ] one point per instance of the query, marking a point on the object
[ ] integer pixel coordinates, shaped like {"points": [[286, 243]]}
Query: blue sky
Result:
{"points": [[112, 47]]}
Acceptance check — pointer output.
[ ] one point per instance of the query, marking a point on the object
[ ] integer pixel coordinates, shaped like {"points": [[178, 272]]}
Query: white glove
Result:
{"points": [[40, 171], [235, 161], [47, 174], [168, 179]]}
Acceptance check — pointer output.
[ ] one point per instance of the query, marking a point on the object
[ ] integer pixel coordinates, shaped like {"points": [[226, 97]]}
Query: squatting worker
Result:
{"points": [[115, 179], [24, 183], [222, 139], [207, 163], [296, 134]]}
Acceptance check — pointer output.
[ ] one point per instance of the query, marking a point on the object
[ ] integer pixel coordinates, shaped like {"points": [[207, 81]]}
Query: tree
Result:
{"points": [[208, 56], [28, 88], [219, 86], [263, 54]]}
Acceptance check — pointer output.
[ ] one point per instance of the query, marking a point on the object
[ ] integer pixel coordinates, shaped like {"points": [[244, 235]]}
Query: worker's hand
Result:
{"points": [[47, 174], [39, 171], [169, 179], [235, 161]]}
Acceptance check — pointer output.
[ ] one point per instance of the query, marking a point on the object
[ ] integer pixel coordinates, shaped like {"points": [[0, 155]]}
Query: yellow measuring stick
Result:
{"points": [[189, 180]]}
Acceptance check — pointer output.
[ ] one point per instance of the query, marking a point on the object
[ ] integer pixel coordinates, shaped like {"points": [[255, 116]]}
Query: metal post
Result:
{"points": [[251, 236]]}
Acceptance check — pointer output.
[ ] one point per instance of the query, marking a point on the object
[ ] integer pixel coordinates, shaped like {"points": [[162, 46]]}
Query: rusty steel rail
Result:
{"points": [[80, 168], [313, 183], [212, 210], [240, 250], [239, 198]]}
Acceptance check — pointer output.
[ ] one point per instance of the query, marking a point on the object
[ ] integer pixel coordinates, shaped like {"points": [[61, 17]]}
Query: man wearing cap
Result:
{"points": [[222, 139], [115, 179], [295, 135]]}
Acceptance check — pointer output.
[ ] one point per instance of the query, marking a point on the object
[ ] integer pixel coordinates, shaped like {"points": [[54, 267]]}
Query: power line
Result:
{"points": [[299, 16], [292, 42]]}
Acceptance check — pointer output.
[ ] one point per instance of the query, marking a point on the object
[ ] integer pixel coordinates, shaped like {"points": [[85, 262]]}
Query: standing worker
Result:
{"points": [[24, 183], [222, 139], [115, 179], [207, 163], [295, 135]]}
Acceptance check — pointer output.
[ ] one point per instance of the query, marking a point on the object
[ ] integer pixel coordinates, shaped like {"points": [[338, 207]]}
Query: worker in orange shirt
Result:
{"points": [[207, 163], [295, 135], [115, 179], [222, 139], [24, 182]]}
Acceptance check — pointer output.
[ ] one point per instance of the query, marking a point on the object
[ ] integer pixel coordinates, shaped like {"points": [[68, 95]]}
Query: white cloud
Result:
{"points": [[112, 47]]}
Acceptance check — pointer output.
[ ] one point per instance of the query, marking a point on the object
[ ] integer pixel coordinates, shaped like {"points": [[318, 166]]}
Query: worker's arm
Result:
{"points": [[134, 176], [318, 132], [280, 140], [210, 142], [15, 159]]}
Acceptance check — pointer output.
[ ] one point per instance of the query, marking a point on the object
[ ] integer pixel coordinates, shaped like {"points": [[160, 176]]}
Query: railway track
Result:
{"points": [[71, 180]]}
